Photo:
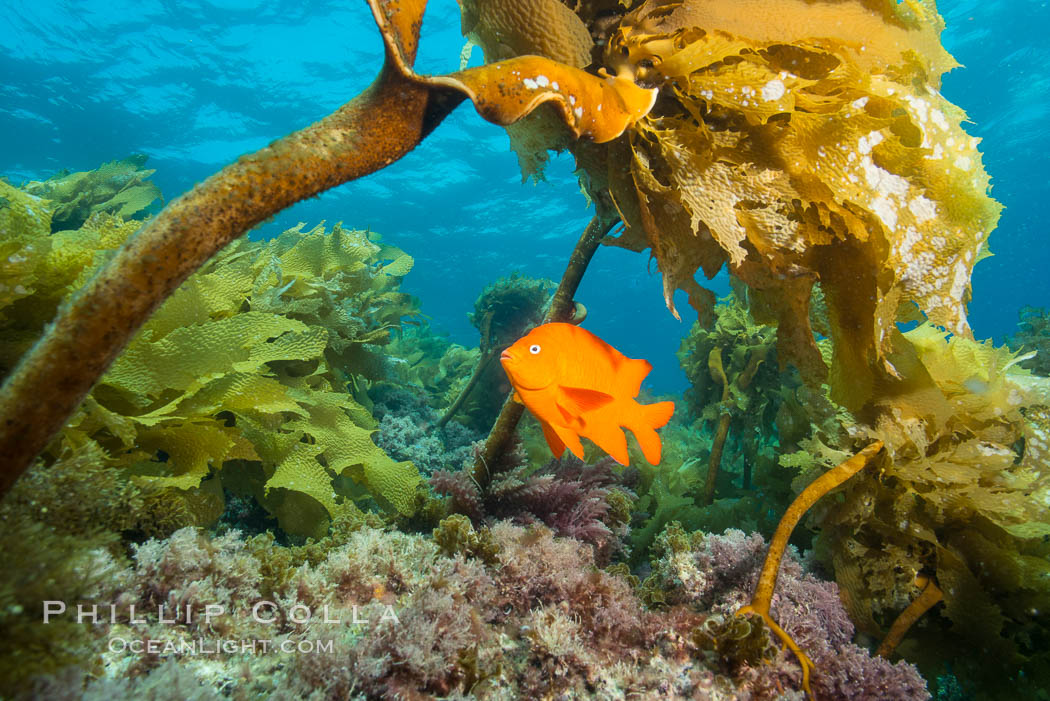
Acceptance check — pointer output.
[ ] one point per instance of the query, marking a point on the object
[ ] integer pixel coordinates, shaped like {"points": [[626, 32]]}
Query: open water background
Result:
{"points": [[196, 84]]}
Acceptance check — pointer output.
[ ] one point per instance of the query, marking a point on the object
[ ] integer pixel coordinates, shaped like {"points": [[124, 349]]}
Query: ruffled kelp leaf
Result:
{"points": [[349, 450], [26, 223], [288, 346], [400, 266], [300, 472], [394, 484], [190, 355], [39, 269], [242, 393], [189, 450], [878, 162], [121, 188]]}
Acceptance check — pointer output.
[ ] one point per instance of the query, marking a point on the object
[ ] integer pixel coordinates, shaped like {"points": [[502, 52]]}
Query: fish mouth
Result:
{"points": [[505, 356]]}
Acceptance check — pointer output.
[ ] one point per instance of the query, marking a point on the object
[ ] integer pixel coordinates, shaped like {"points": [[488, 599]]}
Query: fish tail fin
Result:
{"points": [[651, 417]]}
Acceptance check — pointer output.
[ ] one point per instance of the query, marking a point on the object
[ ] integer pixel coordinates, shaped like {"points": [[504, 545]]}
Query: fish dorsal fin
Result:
{"points": [[629, 375], [579, 400]]}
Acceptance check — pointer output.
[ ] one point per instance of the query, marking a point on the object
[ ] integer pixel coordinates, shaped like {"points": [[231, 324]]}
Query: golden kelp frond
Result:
{"points": [[38, 268], [26, 223], [964, 496], [978, 446], [809, 141], [346, 448], [877, 34], [981, 380], [336, 280], [797, 142]]}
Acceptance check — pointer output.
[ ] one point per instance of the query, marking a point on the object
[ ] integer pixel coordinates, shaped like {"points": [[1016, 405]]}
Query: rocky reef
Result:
{"points": [[387, 615]]}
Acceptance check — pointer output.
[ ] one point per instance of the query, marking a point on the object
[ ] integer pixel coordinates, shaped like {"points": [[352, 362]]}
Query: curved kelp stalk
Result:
{"points": [[718, 373], [767, 579], [929, 597], [370, 132]]}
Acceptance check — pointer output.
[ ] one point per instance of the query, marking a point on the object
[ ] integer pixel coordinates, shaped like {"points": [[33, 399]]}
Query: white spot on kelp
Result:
{"points": [[773, 90]]}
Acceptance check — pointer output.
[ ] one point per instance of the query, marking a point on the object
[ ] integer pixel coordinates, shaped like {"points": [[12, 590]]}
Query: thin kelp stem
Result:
{"points": [[714, 363], [929, 597], [485, 357], [561, 308], [479, 370], [767, 581], [368, 133]]}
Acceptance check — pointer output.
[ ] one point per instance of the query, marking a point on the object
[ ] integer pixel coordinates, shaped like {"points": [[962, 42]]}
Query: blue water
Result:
{"points": [[194, 85]]}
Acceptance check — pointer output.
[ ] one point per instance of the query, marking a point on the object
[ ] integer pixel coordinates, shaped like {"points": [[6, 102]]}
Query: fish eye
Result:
{"points": [[534, 349]]}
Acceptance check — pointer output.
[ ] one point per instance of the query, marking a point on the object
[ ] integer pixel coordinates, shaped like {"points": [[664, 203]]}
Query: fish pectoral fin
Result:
{"points": [[567, 416], [578, 400], [569, 438], [517, 398]]}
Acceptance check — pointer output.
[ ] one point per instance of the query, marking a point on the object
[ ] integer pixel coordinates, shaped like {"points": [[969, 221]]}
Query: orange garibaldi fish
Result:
{"points": [[576, 384]]}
